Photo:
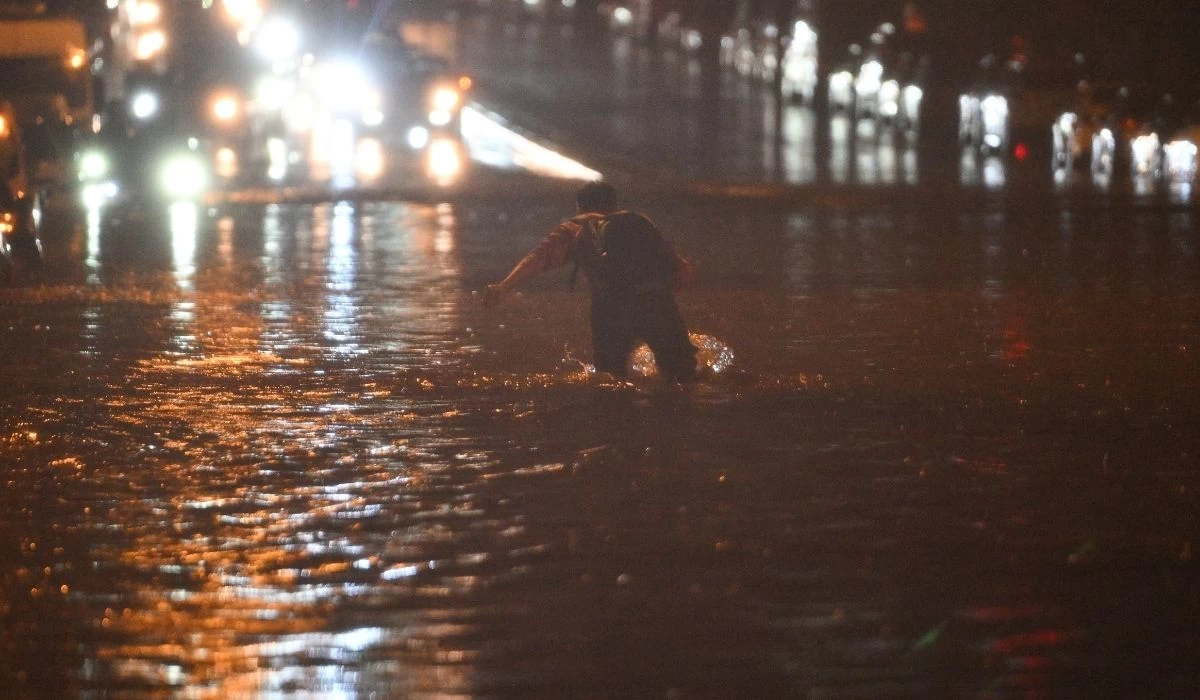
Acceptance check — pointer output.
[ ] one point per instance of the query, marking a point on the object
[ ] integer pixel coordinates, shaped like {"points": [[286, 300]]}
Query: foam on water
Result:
{"points": [[712, 356]]}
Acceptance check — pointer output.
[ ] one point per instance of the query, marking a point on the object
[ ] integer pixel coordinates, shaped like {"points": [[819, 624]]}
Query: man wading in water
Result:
{"points": [[631, 271]]}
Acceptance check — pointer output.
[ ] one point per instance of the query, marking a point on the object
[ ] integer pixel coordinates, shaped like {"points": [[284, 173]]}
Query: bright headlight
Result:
{"points": [[95, 194], [372, 108], [994, 106], [1144, 149], [273, 93], [840, 86], [278, 40], [1066, 122], [373, 117], [243, 13], [144, 105], [93, 165], [183, 176], [76, 59], [911, 97], [870, 79], [1181, 159], [341, 85], [226, 108], [446, 99], [445, 161], [418, 137], [994, 109], [146, 12], [150, 45], [226, 162], [889, 98]]}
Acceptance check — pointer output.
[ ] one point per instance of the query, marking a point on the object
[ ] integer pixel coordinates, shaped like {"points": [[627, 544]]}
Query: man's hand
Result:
{"points": [[494, 294]]}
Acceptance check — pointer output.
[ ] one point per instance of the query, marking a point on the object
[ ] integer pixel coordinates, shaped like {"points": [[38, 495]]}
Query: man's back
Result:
{"points": [[624, 251]]}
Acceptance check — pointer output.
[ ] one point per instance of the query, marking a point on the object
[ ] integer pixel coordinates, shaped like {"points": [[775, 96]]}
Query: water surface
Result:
{"points": [[284, 450]]}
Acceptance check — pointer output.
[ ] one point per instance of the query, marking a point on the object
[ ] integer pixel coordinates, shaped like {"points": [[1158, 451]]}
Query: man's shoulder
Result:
{"points": [[593, 221], [569, 225], [633, 220], [585, 219]]}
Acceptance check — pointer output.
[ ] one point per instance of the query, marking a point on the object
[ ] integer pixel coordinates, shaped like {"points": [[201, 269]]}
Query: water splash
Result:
{"points": [[712, 356]]}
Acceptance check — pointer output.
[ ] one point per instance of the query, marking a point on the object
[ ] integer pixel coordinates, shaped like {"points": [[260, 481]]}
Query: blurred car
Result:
{"points": [[984, 108], [416, 90], [1179, 157], [634, 18], [177, 122], [676, 33], [868, 88], [20, 205], [46, 80], [152, 148], [841, 90], [1089, 131], [346, 105], [1011, 102], [1145, 155], [127, 167], [1129, 126], [1116, 114], [1072, 140], [1177, 125], [750, 49], [984, 121], [1104, 153], [800, 62]]}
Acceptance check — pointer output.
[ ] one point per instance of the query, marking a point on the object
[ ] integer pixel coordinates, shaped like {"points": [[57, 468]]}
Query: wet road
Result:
{"points": [[655, 116], [282, 450], [286, 449]]}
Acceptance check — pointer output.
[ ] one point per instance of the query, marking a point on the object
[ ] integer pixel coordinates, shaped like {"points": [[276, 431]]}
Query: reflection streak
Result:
{"points": [[278, 503], [92, 261], [342, 304]]}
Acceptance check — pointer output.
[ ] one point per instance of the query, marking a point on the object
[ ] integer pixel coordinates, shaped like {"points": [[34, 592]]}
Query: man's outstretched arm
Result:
{"points": [[530, 266], [552, 252]]}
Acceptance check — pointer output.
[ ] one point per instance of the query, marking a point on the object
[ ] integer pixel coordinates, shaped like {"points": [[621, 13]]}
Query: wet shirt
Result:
{"points": [[571, 242], [566, 243]]}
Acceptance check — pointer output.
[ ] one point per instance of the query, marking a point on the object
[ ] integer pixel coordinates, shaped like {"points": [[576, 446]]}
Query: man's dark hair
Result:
{"points": [[596, 197]]}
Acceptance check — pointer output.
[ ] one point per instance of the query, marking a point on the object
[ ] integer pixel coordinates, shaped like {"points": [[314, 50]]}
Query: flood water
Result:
{"points": [[283, 450]]}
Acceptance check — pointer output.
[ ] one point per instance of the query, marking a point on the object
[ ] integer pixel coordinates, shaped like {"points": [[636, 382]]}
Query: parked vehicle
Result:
{"points": [[45, 76], [1129, 125], [634, 18], [1011, 102], [800, 62], [20, 204]]}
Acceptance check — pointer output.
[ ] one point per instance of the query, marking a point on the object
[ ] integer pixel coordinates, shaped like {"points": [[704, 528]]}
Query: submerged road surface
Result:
{"points": [[272, 449], [277, 450]]}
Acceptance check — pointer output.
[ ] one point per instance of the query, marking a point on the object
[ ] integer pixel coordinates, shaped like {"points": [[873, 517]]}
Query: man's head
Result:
{"points": [[598, 197]]}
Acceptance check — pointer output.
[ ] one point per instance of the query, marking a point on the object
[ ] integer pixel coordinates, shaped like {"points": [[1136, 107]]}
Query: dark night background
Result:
{"points": [[1148, 41]]}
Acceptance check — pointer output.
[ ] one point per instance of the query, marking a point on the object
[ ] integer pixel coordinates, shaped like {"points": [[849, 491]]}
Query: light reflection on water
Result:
{"points": [[183, 224], [291, 453], [342, 309], [92, 261]]}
